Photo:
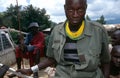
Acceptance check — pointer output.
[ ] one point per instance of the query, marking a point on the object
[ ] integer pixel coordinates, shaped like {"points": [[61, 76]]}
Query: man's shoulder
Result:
{"points": [[96, 25], [40, 33], [59, 26]]}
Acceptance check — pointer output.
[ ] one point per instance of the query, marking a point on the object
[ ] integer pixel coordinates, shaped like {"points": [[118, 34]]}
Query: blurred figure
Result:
{"points": [[3, 70], [115, 62], [115, 36], [32, 47]]}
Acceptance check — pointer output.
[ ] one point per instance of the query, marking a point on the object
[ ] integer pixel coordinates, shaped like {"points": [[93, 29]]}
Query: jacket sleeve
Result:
{"points": [[49, 52], [105, 54]]}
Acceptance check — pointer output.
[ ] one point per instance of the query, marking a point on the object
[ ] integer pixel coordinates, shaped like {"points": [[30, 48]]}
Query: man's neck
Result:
{"points": [[75, 27]]}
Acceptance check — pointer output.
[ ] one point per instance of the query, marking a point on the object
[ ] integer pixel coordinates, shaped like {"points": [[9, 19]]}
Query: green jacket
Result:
{"points": [[92, 48]]}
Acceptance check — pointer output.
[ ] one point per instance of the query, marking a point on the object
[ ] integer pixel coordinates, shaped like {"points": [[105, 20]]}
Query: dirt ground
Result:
{"points": [[42, 74]]}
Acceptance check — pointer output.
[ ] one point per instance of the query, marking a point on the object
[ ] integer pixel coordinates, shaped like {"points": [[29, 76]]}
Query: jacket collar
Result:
{"points": [[87, 30]]}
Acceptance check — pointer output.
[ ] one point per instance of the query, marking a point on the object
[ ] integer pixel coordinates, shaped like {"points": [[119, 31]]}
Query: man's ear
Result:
{"points": [[64, 7], [86, 6]]}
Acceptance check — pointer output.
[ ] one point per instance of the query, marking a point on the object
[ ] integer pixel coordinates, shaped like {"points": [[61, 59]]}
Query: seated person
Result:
{"points": [[115, 62], [33, 46]]}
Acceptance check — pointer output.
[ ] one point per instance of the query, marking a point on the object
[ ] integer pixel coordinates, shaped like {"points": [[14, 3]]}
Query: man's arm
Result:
{"points": [[105, 54], [45, 63], [105, 68]]}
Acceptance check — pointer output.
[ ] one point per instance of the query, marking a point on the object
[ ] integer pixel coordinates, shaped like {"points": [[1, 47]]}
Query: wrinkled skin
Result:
{"points": [[75, 11]]}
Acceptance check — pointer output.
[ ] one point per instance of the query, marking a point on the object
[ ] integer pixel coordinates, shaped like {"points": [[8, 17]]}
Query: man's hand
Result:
{"points": [[25, 71]]}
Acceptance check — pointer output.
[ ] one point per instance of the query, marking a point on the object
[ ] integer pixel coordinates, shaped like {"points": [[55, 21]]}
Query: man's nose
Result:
{"points": [[75, 14]]}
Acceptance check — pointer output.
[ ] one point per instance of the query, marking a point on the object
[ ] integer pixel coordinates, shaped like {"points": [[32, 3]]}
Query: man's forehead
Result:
{"points": [[116, 33], [74, 1], [116, 48]]}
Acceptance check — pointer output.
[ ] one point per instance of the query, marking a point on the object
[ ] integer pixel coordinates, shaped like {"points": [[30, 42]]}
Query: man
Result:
{"points": [[77, 47], [33, 46], [115, 62], [115, 37]]}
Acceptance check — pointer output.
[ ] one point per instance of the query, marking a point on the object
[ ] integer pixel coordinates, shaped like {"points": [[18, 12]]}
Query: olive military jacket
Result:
{"points": [[92, 48]]}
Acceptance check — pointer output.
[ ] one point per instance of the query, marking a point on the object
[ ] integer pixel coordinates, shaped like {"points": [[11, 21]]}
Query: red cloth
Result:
{"points": [[39, 42]]}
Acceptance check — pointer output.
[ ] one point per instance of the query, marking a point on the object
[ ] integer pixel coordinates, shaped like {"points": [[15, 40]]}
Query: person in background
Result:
{"points": [[115, 38], [77, 47], [32, 47], [115, 62]]}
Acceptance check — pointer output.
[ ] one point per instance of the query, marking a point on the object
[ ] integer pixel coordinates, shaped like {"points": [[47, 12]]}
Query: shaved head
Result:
{"points": [[116, 49], [75, 11], [75, 1]]}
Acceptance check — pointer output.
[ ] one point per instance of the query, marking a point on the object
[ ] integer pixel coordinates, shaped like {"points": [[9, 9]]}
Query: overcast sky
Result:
{"points": [[109, 8]]}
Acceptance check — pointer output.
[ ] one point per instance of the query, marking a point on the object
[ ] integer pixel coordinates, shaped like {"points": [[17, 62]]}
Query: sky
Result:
{"points": [[55, 8]]}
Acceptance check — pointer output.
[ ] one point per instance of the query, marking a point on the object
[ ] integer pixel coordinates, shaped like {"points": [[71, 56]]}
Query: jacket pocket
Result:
{"points": [[94, 52], [56, 51], [55, 46]]}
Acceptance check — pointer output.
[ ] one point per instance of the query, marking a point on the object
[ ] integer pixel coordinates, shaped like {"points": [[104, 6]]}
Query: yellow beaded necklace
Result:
{"points": [[74, 35]]}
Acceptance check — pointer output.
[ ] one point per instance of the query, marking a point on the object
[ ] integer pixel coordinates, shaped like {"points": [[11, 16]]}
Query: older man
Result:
{"points": [[77, 47]]}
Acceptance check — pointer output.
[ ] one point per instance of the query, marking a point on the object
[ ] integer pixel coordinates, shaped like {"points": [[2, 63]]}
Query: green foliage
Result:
{"points": [[88, 18], [19, 17], [101, 20], [14, 36], [1, 18]]}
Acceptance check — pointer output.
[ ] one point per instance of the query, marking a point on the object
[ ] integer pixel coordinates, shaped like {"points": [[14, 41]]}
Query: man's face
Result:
{"points": [[116, 58], [33, 30], [75, 11], [116, 38]]}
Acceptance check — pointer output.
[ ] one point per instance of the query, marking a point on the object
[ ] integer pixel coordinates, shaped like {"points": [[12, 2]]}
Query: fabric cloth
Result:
{"points": [[34, 44], [70, 51], [92, 49]]}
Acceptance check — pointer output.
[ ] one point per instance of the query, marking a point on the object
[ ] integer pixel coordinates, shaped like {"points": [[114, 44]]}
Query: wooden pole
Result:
{"points": [[18, 15], [21, 36]]}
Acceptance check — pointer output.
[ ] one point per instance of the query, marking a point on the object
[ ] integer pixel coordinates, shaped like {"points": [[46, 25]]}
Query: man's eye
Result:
{"points": [[70, 10], [80, 10]]}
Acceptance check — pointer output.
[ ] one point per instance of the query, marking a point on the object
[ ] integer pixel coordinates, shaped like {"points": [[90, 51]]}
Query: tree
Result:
{"points": [[1, 18], [88, 18], [101, 20], [26, 15], [34, 14], [10, 16]]}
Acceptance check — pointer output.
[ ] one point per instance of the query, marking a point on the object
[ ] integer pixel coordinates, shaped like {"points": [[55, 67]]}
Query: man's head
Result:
{"points": [[75, 11], [116, 37], [33, 27], [115, 53]]}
